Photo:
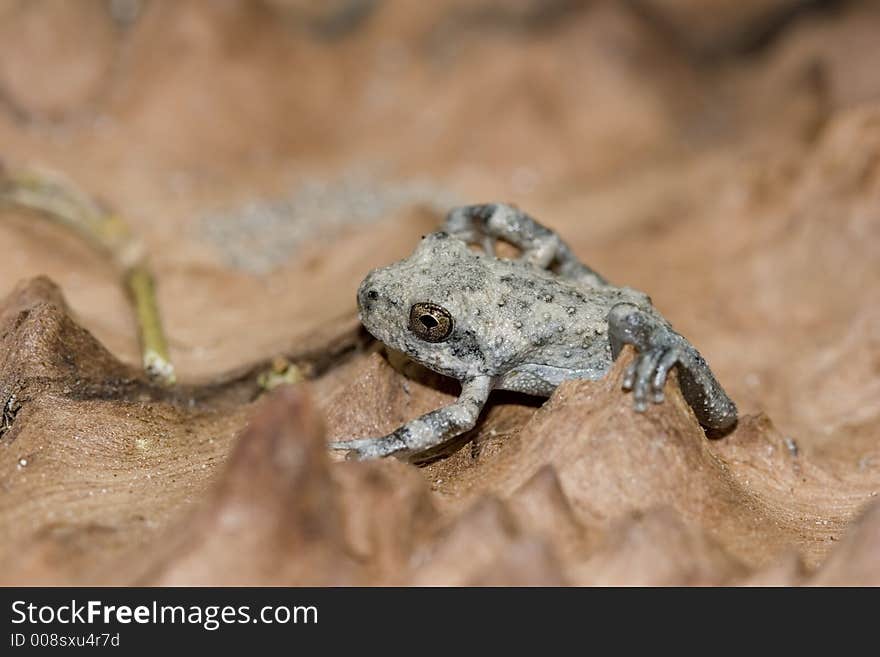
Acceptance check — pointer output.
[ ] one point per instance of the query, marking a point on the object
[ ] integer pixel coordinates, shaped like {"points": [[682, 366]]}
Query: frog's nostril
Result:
{"points": [[372, 295]]}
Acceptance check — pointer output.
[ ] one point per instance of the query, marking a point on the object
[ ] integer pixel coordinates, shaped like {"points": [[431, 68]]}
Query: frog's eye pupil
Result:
{"points": [[430, 322]]}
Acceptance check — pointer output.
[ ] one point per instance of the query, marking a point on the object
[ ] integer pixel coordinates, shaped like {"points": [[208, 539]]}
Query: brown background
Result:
{"points": [[722, 156]]}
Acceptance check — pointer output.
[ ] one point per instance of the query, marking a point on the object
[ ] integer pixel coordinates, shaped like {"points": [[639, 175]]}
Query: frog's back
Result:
{"points": [[558, 326]]}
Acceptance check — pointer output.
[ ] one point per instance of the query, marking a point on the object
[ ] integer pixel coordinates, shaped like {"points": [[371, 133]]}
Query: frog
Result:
{"points": [[525, 324]]}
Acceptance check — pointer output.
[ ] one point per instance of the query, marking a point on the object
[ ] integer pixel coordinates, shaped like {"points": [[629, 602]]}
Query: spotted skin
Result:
{"points": [[526, 324]]}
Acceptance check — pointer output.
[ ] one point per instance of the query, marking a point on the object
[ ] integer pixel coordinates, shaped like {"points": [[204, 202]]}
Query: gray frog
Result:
{"points": [[525, 325]]}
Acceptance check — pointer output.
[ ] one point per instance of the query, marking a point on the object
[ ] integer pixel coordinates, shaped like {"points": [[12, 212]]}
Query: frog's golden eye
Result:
{"points": [[430, 322]]}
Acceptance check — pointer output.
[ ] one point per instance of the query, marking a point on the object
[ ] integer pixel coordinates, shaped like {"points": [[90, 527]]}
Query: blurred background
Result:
{"points": [[722, 155], [270, 152]]}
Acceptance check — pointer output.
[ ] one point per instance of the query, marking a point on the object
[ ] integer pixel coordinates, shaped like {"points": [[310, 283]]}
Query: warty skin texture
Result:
{"points": [[525, 325]]}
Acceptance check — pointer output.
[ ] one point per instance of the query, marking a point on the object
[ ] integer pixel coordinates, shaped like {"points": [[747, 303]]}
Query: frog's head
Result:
{"points": [[429, 306]]}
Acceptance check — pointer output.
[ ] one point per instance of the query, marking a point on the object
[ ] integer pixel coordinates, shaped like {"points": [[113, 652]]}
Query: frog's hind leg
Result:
{"points": [[659, 349], [540, 246]]}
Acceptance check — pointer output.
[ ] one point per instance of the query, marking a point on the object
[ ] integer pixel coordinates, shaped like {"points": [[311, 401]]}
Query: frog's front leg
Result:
{"points": [[660, 349], [540, 246], [429, 430]]}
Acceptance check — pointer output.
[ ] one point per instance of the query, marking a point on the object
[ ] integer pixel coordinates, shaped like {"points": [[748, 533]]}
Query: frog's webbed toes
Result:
{"points": [[646, 375], [351, 447], [646, 364], [629, 376], [363, 449], [666, 362], [657, 351]]}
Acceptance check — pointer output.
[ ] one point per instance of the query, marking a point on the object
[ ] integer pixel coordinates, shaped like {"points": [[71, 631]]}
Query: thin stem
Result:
{"points": [[154, 347], [59, 200]]}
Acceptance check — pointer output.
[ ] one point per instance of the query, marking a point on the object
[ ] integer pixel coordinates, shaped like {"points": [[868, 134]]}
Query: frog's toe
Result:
{"points": [[629, 376], [667, 361], [645, 366], [342, 445], [363, 449], [352, 447]]}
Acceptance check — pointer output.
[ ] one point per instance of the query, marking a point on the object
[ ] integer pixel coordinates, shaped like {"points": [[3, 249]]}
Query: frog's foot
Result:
{"points": [[363, 449], [659, 348], [646, 375]]}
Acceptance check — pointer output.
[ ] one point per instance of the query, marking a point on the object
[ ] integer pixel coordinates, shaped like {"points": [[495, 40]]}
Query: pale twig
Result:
{"points": [[58, 199]]}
